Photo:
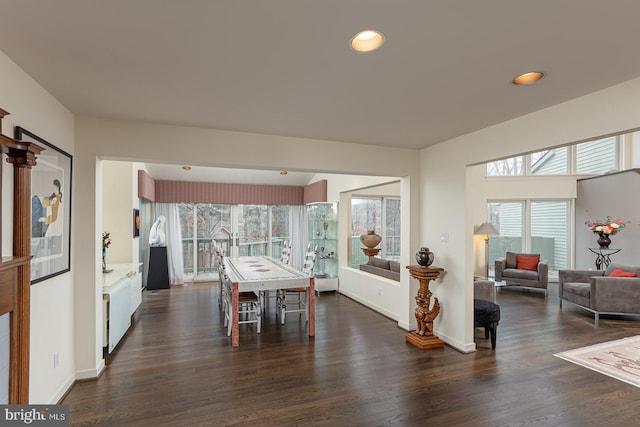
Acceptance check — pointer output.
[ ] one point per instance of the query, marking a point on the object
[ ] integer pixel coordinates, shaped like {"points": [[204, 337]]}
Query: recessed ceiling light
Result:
{"points": [[186, 167], [527, 78], [366, 41], [283, 172]]}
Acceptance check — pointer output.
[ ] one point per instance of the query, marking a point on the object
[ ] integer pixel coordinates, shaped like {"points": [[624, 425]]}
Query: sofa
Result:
{"points": [[602, 291], [512, 270], [382, 267]]}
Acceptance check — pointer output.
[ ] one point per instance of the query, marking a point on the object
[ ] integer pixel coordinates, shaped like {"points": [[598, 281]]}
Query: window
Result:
{"points": [[381, 214], [279, 229], [550, 162], [596, 157], [201, 225], [238, 229], [531, 226], [549, 231], [507, 218], [512, 166], [587, 158]]}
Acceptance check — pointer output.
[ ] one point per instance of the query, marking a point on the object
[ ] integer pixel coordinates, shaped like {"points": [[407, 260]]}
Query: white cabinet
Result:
{"points": [[121, 296], [136, 291]]}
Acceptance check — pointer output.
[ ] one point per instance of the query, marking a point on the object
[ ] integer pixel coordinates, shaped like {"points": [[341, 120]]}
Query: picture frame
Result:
{"points": [[50, 209], [136, 223]]}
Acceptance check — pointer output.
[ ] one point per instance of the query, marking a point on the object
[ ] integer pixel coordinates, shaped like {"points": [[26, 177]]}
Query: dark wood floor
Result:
{"points": [[176, 368]]}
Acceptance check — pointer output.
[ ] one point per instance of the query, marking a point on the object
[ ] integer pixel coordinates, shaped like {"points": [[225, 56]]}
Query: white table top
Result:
{"points": [[263, 273], [119, 271]]}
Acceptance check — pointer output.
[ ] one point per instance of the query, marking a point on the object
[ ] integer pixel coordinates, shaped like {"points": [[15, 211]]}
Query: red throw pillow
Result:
{"points": [[528, 262], [621, 273]]}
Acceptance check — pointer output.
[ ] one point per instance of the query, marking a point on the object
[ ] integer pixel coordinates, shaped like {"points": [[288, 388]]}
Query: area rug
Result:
{"points": [[619, 359]]}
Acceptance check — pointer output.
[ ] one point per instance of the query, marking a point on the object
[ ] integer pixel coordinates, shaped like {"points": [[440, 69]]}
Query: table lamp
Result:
{"points": [[486, 229]]}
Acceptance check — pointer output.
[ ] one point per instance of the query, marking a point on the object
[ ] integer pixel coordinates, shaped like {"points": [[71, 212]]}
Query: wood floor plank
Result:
{"points": [[176, 367]]}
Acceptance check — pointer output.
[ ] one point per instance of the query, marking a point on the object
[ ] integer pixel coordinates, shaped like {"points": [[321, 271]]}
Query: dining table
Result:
{"points": [[263, 273]]}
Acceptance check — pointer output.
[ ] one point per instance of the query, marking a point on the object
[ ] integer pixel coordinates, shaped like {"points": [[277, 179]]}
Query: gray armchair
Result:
{"points": [[507, 271], [596, 291]]}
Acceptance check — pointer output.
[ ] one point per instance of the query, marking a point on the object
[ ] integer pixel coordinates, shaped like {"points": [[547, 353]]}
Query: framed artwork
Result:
{"points": [[50, 209], [136, 223]]}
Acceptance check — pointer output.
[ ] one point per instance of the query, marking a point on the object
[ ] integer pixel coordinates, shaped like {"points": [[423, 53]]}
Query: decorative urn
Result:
{"points": [[424, 257], [371, 239]]}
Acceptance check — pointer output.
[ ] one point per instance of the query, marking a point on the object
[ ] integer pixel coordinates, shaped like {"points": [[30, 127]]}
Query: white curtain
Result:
{"points": [[299, 235], [174, 241]]}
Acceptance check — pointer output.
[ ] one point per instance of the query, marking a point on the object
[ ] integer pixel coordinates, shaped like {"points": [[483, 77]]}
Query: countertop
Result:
{"points": [[119, 271]]}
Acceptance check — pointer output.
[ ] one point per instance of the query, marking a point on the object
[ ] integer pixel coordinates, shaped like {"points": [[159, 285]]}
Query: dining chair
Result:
{"points": [[265, 296], [286, 253], [249, 307], [294, 300], [219, 264]]}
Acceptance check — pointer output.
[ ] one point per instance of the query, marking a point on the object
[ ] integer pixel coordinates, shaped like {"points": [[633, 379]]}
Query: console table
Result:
{"points": [[603, 256]]}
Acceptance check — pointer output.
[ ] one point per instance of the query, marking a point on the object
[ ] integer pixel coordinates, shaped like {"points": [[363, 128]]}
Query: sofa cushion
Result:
{"points": [[379, 262], [577, 288], [394, 266], [618, 272], [528, 262], [614, 265], [512, 273], [511, 260]]}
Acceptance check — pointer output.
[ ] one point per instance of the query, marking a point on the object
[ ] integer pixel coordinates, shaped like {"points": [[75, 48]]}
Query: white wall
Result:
{"points": [[117, 213], [337, 183], [595, 201], [448, 204], [52, 301]]}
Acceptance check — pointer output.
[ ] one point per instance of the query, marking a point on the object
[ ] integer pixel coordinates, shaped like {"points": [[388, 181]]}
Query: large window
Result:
{"points": [[381, 214], [238, 229], [592, 157], [531, 226]]}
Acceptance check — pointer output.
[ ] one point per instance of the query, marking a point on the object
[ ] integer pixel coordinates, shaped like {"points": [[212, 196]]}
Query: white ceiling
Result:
{"points": [[284, 67]]}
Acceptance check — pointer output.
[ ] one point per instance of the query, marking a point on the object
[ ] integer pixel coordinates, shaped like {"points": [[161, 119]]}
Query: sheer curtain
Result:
{"points": [[299, 235], [174, 241]]}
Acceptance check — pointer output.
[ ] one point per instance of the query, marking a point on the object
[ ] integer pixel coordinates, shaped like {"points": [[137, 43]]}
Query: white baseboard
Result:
{"points": [[91, 374], [370, 304], [64, 388], [460, 346]]}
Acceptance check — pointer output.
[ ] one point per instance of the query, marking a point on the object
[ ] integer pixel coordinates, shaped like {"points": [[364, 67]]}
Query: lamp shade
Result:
{"points": [[486, 228]]}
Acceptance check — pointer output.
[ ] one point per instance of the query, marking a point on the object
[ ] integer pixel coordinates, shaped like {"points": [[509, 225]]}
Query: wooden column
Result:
{"points": [[18, 268], [423, 337]]}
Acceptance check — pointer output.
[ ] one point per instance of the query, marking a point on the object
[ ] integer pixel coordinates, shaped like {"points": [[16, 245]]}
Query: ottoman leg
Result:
{"points": [[494, 330], [487, 329]]}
